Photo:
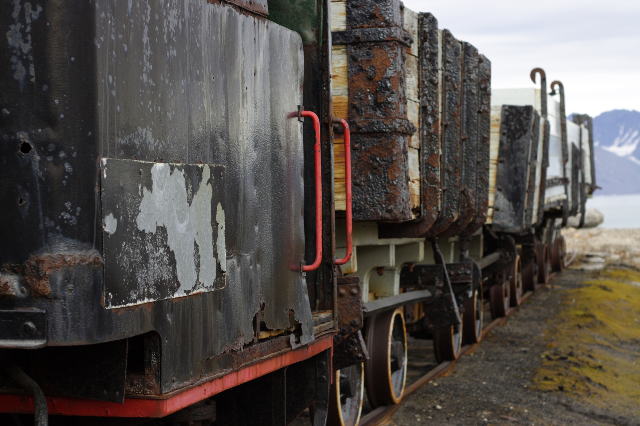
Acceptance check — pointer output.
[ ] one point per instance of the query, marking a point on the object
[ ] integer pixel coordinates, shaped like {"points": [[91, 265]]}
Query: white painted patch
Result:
{"points": [[187, 225], [110, 224], [19, 41]]}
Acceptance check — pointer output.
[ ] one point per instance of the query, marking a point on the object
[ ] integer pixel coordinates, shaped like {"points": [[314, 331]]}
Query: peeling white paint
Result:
{"points": [[110, 224], [188, 226], [19, 40]]}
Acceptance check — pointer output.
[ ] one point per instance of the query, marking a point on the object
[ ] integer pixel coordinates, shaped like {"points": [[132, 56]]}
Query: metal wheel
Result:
{"points": [[530, 275], [447, 343], [386, 369], [558, 254], [516, 283], [544, 264], [347, 396], [472, 319], [499, 299]]}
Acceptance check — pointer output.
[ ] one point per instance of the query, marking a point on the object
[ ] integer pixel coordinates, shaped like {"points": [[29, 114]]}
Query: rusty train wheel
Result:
{"points": [[516, 283], [562, 243], [499, 299], [447, 343], [386, 369], [472, 319], [544, 263], [347, 396], [558, 254]]}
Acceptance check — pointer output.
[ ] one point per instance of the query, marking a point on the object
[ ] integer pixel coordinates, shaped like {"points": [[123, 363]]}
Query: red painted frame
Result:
{"points": [[168, 404]]}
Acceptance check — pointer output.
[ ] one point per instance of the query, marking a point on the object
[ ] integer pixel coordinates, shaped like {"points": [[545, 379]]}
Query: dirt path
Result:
{"points": [[517, 375]]}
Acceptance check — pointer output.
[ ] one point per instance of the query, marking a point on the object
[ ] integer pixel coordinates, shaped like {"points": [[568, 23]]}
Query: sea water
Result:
{"points": [[620, 211]]}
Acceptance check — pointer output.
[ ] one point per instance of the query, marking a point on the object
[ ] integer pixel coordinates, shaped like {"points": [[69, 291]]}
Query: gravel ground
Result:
{"points": [[493, 385]]}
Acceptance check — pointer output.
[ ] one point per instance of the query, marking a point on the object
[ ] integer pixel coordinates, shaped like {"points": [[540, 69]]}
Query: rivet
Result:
{"points": [[29, 328]]}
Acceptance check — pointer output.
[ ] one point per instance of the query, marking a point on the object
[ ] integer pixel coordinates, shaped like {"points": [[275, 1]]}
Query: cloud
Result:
{"points": [[592, 46]]}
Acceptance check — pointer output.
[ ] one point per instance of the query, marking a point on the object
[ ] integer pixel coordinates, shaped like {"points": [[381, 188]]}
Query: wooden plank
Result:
{"points": [[339, 107], [339, 82], [339, 71], [414, 177], [412, 73], [496, 120], [338, 17], [410, 25], [413, 115]]}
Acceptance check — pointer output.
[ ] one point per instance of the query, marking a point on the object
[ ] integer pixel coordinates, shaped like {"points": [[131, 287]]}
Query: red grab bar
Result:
{"points": [[347, 184], [318, 188]]}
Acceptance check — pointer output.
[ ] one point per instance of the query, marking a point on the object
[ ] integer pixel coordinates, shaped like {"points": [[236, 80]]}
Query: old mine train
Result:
{"points": [[237, 210]]}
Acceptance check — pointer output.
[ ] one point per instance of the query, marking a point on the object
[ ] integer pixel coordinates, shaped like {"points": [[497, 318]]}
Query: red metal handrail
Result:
{"points": [[347, 184], [318, 187]]}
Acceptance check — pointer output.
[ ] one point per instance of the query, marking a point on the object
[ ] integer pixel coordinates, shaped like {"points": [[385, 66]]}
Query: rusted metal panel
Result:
{"points": [[380, 177], [471, 135], [164, 230], [575, 183], [484, 143], [469, 140], [588, 185], [454, 90], [587, 121], [529, 220], [33, 276], [514, 163], [430, 110], [538, 173], [349, 346], [484, 132], [546, 137], [310, 19], [349, 305], [451, 155], [376, 86], [430, 80], [432, 277], [377, 110], [154, 96], [374, 13]]}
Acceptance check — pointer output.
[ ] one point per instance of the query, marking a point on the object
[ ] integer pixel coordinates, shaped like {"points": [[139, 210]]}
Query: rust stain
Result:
{"points": [[6, 287], [37, 269]]}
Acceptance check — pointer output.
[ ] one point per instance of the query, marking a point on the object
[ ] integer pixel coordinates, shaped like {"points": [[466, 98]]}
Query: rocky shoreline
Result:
{"points": [[599, 247]]}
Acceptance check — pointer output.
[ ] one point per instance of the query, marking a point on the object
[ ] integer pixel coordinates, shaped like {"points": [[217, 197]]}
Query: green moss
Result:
{"points": [[594, 354]]}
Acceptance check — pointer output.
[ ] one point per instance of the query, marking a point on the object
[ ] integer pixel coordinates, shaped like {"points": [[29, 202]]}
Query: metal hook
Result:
{"points": [[557, 84], [543, 87]]}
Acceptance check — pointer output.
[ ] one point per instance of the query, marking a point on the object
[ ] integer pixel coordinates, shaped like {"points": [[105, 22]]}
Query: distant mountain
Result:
{"points": [[617, 150]]}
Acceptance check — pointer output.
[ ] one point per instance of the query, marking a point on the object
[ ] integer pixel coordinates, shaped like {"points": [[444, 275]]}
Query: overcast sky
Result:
{"points": [[592, 46]]}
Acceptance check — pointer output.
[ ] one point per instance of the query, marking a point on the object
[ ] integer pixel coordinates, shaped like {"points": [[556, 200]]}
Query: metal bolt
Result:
{"points": [[354, 291], [29, 328], [342, 292]]}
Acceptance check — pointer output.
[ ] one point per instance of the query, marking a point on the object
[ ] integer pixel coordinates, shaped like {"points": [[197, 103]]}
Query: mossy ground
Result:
{"points": [[594, 354]]}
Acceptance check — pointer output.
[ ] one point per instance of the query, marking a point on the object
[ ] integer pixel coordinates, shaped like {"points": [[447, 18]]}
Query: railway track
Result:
{"points": [[380, 414]]}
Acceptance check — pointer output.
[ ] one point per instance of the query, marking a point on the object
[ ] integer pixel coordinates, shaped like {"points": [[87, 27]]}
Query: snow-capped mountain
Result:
{"points": [[617, 150]]}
